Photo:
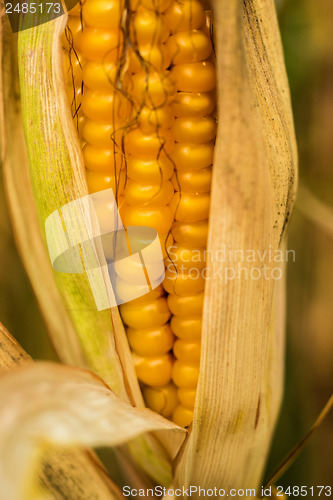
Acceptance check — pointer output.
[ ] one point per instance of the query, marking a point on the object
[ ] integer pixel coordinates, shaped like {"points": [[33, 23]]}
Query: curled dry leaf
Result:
{"points": [[72, 474], [45, 404]]}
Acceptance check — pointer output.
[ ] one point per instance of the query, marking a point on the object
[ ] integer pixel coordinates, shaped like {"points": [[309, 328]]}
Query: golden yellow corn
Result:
{"points": [[141, 85]]}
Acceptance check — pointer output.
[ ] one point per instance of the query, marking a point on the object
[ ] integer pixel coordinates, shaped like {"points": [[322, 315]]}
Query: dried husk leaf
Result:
{"points": [[253, 192], [46, 405], [75, 474], [11, 353], [72, 474], [45, 155]]}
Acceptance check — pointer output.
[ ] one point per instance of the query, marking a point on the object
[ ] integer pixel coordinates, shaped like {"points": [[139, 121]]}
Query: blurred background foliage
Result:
{"points": [[306, 29]]}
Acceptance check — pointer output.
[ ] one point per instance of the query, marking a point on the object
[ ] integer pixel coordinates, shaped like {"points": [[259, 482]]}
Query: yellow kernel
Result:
{"points": [[151, 342], [190, 104], [187, 397], [142, 194], [185, 15], [148, 146], [153, 89], [100, 76], [187, 257], [101, 160], [160, 218], [105, 108], [97, 181], [72, 36], [190, 207], [152, 119], [185, 375], [149, 315], [186, 328], [155, 56], [162, 400], [188, 47], [101, 135], [154, 171], [156, 371], [182, 282], [187, 351], [195, 233], [105, 14], [191, 305], [198, 181], [192, 156], [197, 129], [103, 46], [194, 77], [148, 27], [182, 416]]}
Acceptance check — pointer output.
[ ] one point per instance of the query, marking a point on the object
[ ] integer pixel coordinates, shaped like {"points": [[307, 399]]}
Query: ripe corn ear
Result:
{"points": [[251, 199], [150, 137]]}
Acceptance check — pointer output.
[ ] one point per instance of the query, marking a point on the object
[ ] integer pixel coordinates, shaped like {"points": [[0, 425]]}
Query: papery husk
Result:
{"points": [[43, 170], [51, 405], [66, 474], [253, 190]]}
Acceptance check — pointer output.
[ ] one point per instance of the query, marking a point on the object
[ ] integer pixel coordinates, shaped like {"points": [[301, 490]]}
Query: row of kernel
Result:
{"points": [[73, 62], [105, 115], [105, 110], [148, 192], [194, 130]]}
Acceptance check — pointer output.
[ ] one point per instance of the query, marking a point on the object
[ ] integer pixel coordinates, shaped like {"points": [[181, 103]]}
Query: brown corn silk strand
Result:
{"points": [[134, 60]]}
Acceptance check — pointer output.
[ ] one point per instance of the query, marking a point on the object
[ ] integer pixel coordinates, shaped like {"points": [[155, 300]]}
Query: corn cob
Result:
{"points": [[141, 83]]}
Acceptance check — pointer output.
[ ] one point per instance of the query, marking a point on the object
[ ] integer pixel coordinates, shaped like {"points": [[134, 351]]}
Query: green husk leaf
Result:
{"points": [[57, 178]]}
